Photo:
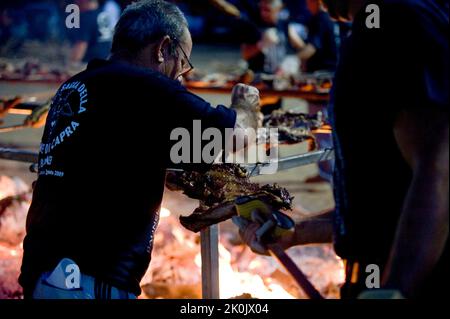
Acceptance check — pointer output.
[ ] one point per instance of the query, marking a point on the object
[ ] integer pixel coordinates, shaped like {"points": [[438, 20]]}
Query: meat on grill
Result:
{"points": [[294, 127], [217, 190]]}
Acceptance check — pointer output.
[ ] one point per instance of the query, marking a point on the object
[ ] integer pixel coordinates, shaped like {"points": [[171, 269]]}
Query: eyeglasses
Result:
{"points": [[189, 66]]}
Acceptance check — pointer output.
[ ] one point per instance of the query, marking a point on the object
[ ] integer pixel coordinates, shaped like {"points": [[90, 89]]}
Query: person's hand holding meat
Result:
{"points": [[245, 100], [254, 232], [245, 96]]}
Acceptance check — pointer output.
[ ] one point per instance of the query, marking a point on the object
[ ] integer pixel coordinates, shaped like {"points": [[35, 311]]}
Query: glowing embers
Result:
{"points": [[175, 270]]}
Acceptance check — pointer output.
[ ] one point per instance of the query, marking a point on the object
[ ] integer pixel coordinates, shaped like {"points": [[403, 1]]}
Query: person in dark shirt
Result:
{"points": [[298, 11], [93, 38], [265, 42], [389, 113], [103, 159], [319, 51]]}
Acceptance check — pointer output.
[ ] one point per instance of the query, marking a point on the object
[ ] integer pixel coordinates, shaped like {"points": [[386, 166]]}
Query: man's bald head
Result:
{"points": [[145, 22]]}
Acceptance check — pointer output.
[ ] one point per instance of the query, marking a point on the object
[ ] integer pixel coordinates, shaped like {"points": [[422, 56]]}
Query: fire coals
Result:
{"points": [[15, 200], [175, 270]]}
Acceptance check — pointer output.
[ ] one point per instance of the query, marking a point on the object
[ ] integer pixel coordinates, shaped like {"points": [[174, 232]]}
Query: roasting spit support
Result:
{"points": [[209, 243]]}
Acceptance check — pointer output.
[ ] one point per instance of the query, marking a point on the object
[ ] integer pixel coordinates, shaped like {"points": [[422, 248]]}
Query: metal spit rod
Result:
{"points": [[253, 169], [18, 155]]}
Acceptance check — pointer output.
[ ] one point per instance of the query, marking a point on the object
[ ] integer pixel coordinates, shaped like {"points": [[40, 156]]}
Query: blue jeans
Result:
{"points": [[63, 283]]}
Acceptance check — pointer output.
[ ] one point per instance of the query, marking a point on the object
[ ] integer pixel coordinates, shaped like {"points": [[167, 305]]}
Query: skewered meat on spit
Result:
{"points": [[217, 189], [32, 71], [307, 83], [294, 127]]}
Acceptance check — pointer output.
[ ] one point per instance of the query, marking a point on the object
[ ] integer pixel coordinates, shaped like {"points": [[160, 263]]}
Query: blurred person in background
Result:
{"points": [[44, 19], [298, 11], [94, 37], [112, 8], [13, 28], [265, 44], [319, 51], [391, 177]]}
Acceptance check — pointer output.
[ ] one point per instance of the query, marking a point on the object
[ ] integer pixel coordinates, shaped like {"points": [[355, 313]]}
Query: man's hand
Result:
{"points": [[246, 102], [317, 230], [269, 39], [245, 96], [252, 233]]}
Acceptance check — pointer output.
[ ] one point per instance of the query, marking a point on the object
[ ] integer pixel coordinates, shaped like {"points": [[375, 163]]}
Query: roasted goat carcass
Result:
{"points": [[217, 190], [32, 71], [294, 119], [294, 127]]}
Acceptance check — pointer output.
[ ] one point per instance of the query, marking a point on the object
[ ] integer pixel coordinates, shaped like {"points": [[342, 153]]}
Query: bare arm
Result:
{"points": [[307, 52], [314, 230], [226, 7], [248, 51], [295, 40], [422, 232]]}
